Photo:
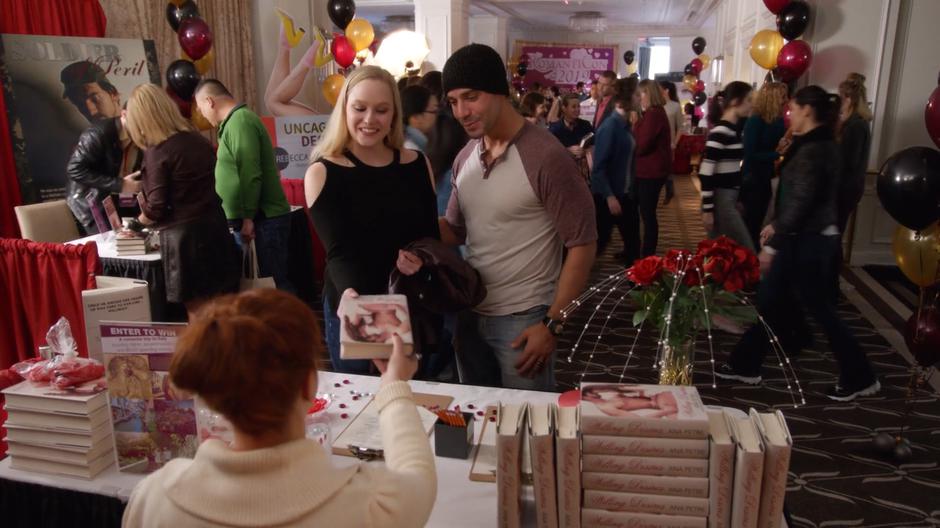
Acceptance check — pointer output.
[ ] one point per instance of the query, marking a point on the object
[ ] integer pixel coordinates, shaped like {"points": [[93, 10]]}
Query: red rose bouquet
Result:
{"points": [[681, 292]]}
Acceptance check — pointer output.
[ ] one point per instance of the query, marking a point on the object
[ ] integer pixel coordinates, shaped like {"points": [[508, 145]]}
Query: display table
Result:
{"points": [[150, 268], [460, 501]]}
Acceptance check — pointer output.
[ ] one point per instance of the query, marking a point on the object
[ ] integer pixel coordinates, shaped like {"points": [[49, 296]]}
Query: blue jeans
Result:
{"points": [[272, 239], [485, 355], [347, 366]]}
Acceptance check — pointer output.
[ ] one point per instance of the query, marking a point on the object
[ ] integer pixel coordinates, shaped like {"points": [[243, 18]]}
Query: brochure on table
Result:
{"points": [[153, 421], [115, 299]]}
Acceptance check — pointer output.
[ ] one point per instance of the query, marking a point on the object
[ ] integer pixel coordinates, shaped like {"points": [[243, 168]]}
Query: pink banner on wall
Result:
{"points": [[565, 65]]}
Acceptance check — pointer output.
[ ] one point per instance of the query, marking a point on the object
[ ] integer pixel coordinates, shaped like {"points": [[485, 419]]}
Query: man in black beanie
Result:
{"points": [[517, 200]]}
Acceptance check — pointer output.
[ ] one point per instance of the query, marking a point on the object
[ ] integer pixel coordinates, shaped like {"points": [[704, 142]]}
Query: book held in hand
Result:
{"points": [[369, 322], [655, 411]]}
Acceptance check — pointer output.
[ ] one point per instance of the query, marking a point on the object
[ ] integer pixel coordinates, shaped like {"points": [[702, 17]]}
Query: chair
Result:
{"points": [[47, 222]]}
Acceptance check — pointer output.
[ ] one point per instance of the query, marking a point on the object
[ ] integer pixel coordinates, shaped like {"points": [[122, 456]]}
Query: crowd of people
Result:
{"points": [[525, 191]]}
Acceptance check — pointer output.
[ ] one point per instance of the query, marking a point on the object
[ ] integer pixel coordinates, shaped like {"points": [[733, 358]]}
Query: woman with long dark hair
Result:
{"points": [[799, 250], [720, 172]]}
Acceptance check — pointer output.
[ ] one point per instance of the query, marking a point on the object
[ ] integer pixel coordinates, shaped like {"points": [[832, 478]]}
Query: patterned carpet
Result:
{"points": [[836, 477]]}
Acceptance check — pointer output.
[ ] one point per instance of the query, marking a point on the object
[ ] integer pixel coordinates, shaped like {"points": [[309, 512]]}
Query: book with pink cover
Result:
{"points": [[510, 428], [657, 411], [748, 473], [653, 485], [568, 461], [648, 447], [641, 465], [721, 470], [368, 324], [542, 455], [645, 503], [777, 446], [80, 400], [611, 519]]}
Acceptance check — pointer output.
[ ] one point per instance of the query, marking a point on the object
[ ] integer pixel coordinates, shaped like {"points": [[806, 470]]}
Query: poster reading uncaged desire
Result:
{"points": [[54, 87], [294, 138], [564, 65]]}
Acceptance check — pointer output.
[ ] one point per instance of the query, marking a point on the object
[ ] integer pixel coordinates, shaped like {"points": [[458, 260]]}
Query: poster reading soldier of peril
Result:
{"points": [[54, 88]]}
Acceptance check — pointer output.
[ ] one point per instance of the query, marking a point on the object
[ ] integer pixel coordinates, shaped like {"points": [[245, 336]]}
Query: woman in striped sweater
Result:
{"points": [[720, 172]]}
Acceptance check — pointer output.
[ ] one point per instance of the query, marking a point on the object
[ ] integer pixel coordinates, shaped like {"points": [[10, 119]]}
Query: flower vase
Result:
{"points": [[677, 362]]}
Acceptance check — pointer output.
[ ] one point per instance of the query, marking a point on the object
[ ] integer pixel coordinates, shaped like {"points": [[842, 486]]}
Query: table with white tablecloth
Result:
{"points": [[460, 501]]}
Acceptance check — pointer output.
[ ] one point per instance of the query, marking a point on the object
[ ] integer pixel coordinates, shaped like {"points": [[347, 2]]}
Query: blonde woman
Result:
{"points": [[762, 132], [854, 137], [368, 196], [653, 159], [199, 256]]}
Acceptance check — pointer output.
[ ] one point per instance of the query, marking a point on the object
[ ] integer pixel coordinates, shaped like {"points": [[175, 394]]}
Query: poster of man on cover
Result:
{"points": [[54, 88]]}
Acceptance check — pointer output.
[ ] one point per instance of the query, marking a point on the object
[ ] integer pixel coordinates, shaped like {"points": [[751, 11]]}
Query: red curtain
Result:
{"points": [[40, 282], [74, 18]]}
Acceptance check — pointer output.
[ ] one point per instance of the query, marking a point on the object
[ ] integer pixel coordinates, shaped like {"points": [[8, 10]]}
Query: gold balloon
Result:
{"points": [[631, 69], [689, 81], [706, 60], [764, 48], [360, 33], [331, 87], [204, 63], [198, 120], [918, 254]]}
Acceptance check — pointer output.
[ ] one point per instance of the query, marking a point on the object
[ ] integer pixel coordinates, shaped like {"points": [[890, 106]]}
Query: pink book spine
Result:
{"points": [[776, 465], [745, 503], [609, 519], [508, 481], [653, 485], [721, 476], [543, 469], [569, 483], [642, 503], [645, 427], [678, 467], [650, 447]]}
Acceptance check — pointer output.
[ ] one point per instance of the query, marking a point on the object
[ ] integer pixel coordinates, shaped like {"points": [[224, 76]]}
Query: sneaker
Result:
{"points": [[724, 371], [839, 393]]}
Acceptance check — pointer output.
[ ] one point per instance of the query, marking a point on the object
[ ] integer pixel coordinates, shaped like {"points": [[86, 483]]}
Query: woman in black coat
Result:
{"points": [[800, 248]]}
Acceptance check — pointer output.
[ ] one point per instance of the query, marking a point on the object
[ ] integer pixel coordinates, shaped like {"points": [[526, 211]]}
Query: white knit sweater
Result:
{"points": [[294, 484]]}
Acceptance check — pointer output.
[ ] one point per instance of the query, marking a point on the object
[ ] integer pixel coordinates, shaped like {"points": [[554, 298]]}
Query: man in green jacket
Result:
{"points": [[247, 179]]}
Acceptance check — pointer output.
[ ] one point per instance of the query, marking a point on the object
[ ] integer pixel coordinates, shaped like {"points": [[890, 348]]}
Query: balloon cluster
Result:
{"points": [[628, 57], [694, 69], [779, 51], [358, 35], [909, 190], [522, 68], [184, 74]]}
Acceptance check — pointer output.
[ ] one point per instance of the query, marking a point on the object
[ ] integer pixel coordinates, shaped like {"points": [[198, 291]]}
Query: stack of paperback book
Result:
{"points": [[645, 456], [129, 243], [64, 432]]}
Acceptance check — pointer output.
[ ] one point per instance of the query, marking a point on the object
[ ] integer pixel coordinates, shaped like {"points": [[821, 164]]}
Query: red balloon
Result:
{"points": [[794, 59], [195, 37], [932, 116], [696, 65], [186, 108], [699, 86], [343, 51], [923, 336], [776, 6]]}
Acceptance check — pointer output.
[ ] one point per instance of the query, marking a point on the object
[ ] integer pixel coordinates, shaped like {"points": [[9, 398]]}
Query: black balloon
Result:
{"points": [[909, 187], [690, 70], [903, 453], [698, 45], [628, 57], [182, 77], [793, 19], [341, 12], [522, 69], [176, 14], [699, 98]]}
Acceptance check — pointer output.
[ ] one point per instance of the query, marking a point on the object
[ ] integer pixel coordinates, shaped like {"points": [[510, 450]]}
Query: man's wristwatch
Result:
{"points": [[554, 326]]}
